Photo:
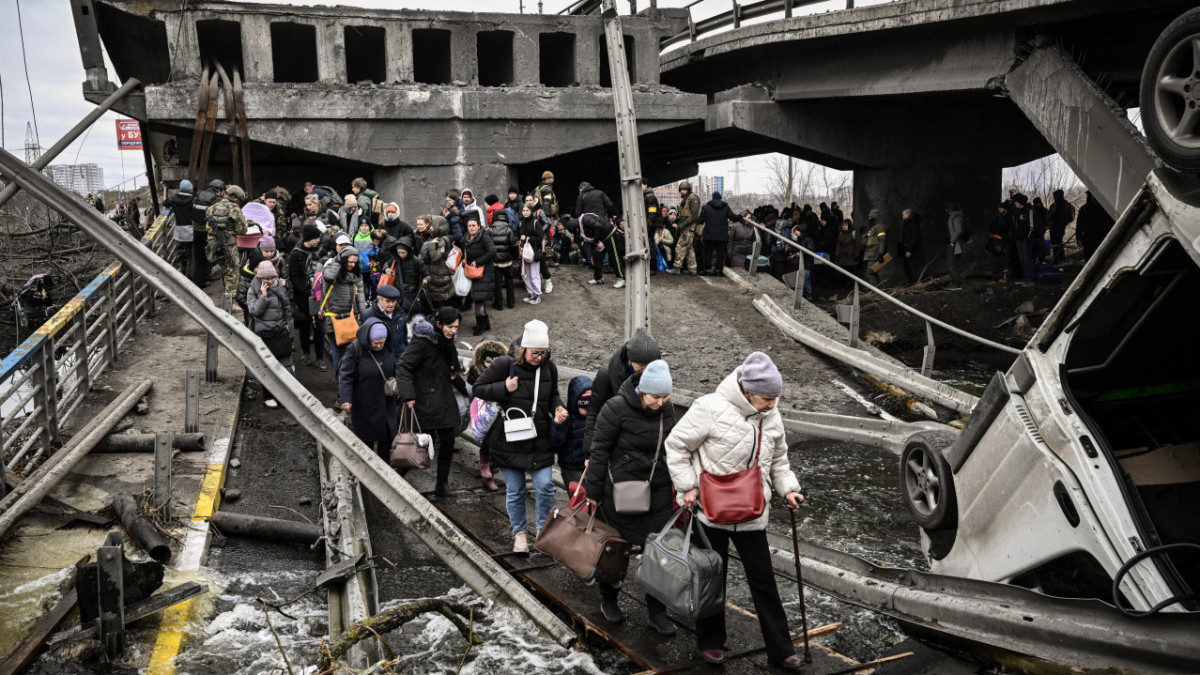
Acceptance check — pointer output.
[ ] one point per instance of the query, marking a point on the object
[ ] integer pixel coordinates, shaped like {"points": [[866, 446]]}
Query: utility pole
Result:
{"points": [[637, 244], [737, 176], [33, 149]]}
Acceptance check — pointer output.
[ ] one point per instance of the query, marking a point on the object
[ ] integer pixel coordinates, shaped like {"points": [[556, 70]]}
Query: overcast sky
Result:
{"points": [[56, 75]]}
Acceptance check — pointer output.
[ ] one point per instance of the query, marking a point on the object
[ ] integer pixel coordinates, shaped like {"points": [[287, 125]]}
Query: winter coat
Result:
{"points": [[180, 204], [1022, 223], [386, 254], [544, 193], [741, 241], [534, 453], [876, 244], [481, 251], [847, 249], [653, 212], [910, 233], [410, 271], [595, 228], [360, 383], [397, 327], [343, 289], [624, 447], [397, 228], [425, 373], [721, 430], [716, 216], [534, 233], [605, 385], [1092, 225], [268, 312], [301, 263], [505, 242], [567, 438], [592, 200], [440, 279], [689, 209], [488, 349]]}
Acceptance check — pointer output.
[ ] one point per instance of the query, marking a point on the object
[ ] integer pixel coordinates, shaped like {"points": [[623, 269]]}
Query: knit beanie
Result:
{"points": [[656, 379], [642, 348], [585, 399], [350, 199], [536, 335], [760, 376], [185, 185], [310, 232], [378, 331], [266, 270], [266, 243], [342, 238]]}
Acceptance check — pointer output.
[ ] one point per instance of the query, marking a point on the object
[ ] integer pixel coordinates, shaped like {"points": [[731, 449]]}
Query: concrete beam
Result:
{"points": [[1087, 128], [398, 45]]}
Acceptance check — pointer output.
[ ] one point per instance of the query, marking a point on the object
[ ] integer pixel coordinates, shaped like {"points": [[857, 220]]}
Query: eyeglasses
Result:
{"points": [[538, 353]]}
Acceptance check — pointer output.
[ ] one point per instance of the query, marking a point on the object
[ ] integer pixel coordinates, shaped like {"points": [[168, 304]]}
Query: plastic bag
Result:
{"points": [[462, 285], [464, 412]]}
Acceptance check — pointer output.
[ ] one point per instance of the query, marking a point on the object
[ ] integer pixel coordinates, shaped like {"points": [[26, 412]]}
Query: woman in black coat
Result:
{"points": [[367, 364], [627, 445], [511, 382], [479, 250], [428, 373]]}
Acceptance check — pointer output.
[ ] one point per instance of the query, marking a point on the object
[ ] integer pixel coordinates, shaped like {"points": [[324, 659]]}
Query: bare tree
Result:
{"points": [[1041, 177], [781, 182]]}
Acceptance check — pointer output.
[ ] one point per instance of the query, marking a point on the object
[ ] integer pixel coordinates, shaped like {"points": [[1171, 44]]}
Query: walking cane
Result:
{"points": [[800, 585]]}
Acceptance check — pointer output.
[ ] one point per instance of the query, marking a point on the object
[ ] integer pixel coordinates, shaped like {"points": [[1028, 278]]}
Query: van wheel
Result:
{"points": [[927, 482], [1170, 93]]}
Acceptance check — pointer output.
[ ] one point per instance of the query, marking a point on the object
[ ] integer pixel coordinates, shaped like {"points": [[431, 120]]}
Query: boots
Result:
{"points": [[485, 472], [482, 325]]}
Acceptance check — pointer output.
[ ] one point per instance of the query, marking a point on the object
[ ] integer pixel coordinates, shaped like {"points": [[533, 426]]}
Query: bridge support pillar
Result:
{"points": [[926, 190], [419, 189]]}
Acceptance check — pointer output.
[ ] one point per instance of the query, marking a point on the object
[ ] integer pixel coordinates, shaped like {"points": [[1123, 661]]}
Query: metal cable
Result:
{"points": [[886, 296], [33, 110]]}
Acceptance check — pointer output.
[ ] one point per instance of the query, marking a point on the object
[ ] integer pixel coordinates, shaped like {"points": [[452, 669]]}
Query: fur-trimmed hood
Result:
{"points": [[487, 349]]}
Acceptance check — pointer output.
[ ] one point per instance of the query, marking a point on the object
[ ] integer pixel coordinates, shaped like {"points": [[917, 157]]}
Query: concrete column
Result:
{"points": [[587, 58], [526, 59], [645, 45], [926, 189], [256, 49], [418, 189], [464, 54], [331, 52], [399, 52]]}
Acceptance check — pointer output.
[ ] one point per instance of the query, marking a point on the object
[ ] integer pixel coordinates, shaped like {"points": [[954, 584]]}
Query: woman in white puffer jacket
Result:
{"points": [[722, 431]]}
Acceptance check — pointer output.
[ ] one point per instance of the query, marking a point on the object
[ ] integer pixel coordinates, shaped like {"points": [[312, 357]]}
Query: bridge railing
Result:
{"points": [[46, 377], [734, 17]]}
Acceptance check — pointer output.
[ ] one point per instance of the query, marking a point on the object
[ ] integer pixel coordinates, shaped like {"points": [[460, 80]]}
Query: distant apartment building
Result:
{"points": [[80, 178], [704, 186]]}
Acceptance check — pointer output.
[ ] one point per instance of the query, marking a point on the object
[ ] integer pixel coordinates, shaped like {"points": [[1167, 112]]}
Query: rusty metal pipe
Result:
{"points": [[265, 529]]}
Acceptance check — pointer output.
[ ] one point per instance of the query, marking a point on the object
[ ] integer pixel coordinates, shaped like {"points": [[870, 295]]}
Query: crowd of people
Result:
{"points": [[386, 300]]}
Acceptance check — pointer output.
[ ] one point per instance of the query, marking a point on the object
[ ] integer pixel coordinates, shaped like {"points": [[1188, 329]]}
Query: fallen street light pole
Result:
{"points": [[452, 546], [637, 240]]}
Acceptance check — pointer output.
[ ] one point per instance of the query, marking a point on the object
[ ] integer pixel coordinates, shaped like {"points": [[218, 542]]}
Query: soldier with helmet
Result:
{"points": [[544, 194], [225, 221], [689, 224]]}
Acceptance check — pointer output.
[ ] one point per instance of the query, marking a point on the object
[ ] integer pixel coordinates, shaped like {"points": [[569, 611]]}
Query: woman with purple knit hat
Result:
{"points": [[725, 432]]}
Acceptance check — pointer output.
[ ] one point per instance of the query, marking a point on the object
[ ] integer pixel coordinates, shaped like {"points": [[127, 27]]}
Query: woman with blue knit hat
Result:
{"points": [[627, 445], [362, 375], [726, 432]]}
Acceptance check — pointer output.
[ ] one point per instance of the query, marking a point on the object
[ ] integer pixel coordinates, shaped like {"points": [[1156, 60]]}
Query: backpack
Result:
{"points": [[329, 198], [200, 205]]}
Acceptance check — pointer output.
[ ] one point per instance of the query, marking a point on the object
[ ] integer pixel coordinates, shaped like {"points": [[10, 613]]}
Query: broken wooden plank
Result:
{"points": [[871, 664]]}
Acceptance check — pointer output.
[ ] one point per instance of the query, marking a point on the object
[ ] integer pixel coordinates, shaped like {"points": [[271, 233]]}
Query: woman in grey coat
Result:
{"points": [[343, 288], [269, 302]]}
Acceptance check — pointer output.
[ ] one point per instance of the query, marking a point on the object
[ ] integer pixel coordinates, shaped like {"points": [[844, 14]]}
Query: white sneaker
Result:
{"points": [[537, 300], [620, 283], [593, 282], [548, 286], [528, 298], [520, 543]]}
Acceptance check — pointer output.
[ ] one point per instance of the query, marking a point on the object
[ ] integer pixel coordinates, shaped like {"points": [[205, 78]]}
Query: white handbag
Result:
{"points": [[521, 428]]}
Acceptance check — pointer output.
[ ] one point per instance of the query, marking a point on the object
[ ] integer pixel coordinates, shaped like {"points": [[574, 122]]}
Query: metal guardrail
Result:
{"points": [[45, 378], [735, 16], [929, 320]]}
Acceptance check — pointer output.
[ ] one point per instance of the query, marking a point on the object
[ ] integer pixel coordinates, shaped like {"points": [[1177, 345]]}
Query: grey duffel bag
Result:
{"points": [[686, 578]]}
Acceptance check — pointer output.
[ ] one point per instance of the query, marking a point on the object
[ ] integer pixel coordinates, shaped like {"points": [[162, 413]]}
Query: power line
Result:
{"points": [[28, 83]]}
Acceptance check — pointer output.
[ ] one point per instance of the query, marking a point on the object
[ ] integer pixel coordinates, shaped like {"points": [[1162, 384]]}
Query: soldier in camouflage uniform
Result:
{"points": [[689, 227], [225, 221], [544, 193]]}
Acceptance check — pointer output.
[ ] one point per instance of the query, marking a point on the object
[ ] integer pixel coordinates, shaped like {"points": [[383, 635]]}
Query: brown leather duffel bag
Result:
{"points": [[593, 550]]}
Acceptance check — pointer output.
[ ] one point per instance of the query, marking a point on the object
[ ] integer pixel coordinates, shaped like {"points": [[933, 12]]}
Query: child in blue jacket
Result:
{"points": [[566, 439]]}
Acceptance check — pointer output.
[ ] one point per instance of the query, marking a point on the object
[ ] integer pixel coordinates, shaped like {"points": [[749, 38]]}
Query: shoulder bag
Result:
{"points": [[735, 497], [411, 450], [686, 578], [388, 278], [473, 272], [345, 326], [391, 388], [632, 497], [522, 428]]}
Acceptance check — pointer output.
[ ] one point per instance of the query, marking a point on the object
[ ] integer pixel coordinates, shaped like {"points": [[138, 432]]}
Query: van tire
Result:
{"points": [[926, 481], [1164, 105]]}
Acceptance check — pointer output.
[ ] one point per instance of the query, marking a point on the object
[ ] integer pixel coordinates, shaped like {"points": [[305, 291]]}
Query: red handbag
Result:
{"points": [[736, 497]]}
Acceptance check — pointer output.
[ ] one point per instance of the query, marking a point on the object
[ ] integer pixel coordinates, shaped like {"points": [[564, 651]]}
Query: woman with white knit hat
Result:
{"points": [[726, 432], [525, 384]]}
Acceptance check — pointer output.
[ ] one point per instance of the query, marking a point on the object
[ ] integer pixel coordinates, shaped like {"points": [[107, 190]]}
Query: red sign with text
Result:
{"points": [[129, 135]]}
